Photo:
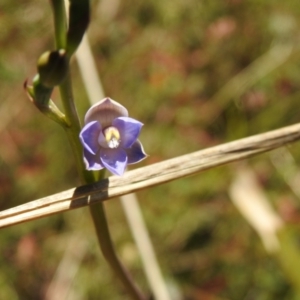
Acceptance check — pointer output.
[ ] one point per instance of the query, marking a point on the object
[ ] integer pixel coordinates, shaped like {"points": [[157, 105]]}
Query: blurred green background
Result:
{"points": [[167, 62]]}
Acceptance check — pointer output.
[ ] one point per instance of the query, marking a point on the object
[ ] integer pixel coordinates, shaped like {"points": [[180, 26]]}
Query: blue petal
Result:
{"points": [[89, 136], [129, 130], [92, 162], [135, 153], [115, 160]]}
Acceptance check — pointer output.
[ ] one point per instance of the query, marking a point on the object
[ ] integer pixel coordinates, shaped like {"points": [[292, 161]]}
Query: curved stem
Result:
{"points": [[73, 130], [99, 217], [97, 211]]}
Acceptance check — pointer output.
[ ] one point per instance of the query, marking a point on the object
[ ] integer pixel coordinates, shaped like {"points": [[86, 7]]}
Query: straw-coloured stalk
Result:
{"points": [[250, 199], [152, 175], [130, 203]]}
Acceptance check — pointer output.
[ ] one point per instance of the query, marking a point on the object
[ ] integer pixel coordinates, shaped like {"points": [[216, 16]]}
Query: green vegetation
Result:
{"points": [[167, 62]]}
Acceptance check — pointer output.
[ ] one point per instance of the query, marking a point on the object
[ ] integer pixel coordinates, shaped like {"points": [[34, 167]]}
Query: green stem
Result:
{"points": [[60, 23], [73, 130], [99, 217], [97, 211], [288, 257]]}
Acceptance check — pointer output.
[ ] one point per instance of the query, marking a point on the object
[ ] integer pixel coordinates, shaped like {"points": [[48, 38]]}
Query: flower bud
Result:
{"points": [[79, 12], [52, 67], [39, 95]]}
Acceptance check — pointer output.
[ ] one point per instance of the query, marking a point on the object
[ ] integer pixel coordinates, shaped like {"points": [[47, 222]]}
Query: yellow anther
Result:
{"points": [[112, 137]]}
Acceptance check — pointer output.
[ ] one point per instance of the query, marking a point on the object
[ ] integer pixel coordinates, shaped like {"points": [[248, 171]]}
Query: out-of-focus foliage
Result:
{"points": [[164, 61]]}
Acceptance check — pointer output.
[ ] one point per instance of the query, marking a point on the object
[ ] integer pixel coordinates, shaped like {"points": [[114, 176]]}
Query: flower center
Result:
{"points": [[112, 137]]}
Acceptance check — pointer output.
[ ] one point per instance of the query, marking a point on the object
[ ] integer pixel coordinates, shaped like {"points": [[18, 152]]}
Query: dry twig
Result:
{"points": [[152, 175]]}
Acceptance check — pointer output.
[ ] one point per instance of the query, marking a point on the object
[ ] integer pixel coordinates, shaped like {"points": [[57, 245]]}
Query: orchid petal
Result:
{"points": [[115, 160], [92, 162], [129, 130], [102, 140], [105, 111], [89, 136], [135, 153]]}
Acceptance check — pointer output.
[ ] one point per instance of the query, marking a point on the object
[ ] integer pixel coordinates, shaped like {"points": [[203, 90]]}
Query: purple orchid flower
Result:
{"points": [[109, 138]]}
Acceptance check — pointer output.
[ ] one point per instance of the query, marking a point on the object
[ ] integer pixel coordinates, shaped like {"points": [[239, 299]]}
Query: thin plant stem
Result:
{"points": [[73, 129], [97, 210], [99, 217], [130, 204], [60, 23]]}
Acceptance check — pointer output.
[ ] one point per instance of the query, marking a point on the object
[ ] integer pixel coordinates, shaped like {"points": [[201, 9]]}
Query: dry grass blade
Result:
{"points": [[93, 86], [150, 176], [250, 199]]}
